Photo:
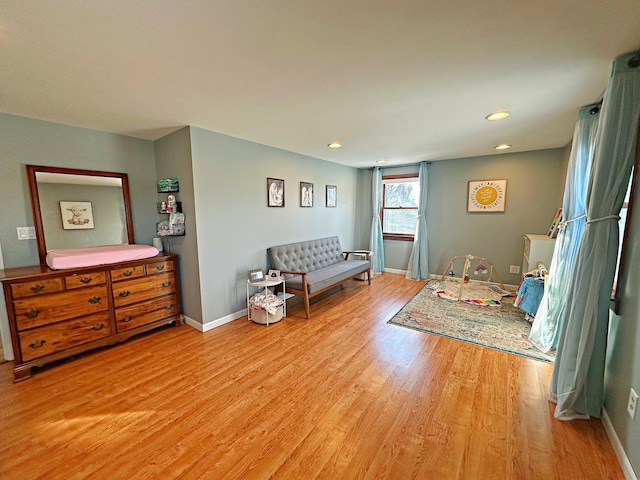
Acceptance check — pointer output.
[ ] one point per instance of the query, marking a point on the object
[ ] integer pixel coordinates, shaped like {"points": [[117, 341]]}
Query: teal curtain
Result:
{"points": [[418, 268], [376, 245], [577, 381], [544, 331]]}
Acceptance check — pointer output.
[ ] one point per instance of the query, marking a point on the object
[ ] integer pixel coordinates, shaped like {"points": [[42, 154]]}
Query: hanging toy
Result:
{"points": [[480, 270]]}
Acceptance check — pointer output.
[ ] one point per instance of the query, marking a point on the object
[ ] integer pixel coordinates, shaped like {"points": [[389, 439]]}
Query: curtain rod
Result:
{"points": [[400, 166]]}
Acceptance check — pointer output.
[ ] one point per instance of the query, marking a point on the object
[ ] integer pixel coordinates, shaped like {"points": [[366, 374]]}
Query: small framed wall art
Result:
{"points": [[275, 192], [76, 215], [332, 196], [306, 194], [256, 275], [486, 195]]}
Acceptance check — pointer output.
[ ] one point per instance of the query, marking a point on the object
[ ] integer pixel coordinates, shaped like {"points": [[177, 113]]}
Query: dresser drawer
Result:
{"points": [[159, 267], [126, 293], [35, 312], [127, 273], [63, 335], [37, 287], [146, 312], [84, 280]]}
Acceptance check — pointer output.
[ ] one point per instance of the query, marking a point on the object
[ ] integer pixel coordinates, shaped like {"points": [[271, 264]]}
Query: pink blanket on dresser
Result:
{"points": [[92, 256]]}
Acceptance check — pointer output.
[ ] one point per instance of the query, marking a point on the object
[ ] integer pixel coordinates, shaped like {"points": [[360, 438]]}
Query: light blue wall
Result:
{"points": [[235, 226], [623, 357], [27, 141], [173, 160], [535, 181]]}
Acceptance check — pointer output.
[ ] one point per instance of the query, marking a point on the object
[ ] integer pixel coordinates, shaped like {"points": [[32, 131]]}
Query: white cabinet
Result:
{"points": [[537, 249]]}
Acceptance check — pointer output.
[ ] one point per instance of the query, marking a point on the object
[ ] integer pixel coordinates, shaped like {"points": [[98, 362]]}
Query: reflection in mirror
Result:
{"points": [[79, 208]]}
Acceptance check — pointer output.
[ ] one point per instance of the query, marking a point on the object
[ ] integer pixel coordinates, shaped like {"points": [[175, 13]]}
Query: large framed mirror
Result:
{"points": [[76, 208]]}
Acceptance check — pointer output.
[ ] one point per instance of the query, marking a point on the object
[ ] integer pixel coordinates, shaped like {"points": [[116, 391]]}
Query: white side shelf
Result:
{"points": [[285, 296], [537, 249], [266, 284]]}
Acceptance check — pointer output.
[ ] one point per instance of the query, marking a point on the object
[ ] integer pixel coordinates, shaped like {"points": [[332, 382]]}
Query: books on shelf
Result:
{"points": [[553, 229]]}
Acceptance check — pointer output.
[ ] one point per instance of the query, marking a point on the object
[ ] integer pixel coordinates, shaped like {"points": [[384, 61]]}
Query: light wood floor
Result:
{"points": [[341, 396]]}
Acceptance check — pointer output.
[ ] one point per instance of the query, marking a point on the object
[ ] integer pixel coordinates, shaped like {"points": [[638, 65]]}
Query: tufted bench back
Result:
{"points": [[306, 256]]}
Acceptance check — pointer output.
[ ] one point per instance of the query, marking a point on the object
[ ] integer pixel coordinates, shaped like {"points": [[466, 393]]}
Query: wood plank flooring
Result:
{"points": [[343, 395]]}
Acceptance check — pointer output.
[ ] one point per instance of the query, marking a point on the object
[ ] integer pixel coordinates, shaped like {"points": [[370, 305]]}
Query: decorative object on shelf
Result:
{"points": [[332, 196], [168, 185], [174, 227], [157, 242], [162, 207], [256, 275], [171, 203], [76, 215], [266, 307], [274, 274], [555, 224], [275, 192], [306, 194], [486, 195]]}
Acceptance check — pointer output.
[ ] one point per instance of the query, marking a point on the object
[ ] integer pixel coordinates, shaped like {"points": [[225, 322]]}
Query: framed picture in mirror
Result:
{"points": [[76, 215]]}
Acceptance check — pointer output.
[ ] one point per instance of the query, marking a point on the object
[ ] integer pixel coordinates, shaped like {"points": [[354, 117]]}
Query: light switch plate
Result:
{"points": [[26, 233]]}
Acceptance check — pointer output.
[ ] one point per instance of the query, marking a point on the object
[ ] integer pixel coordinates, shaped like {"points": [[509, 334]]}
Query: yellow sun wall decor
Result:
{"points": [[486, 195]]}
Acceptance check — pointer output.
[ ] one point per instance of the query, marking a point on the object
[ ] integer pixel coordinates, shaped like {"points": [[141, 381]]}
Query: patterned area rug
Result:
{"points": [[501, 328]]}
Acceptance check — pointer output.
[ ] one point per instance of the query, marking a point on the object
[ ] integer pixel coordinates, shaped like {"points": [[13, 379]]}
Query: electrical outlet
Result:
{"points": [[514, 268], [632, 406]]}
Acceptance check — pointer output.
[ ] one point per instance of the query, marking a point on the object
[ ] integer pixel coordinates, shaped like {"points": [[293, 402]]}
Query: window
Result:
{"points": [[400, 197], [625, 233]]}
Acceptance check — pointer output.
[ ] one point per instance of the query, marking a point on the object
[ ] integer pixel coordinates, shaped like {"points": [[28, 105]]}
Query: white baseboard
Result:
{"points": [[395, 270], [627, 469], [214, 323]]}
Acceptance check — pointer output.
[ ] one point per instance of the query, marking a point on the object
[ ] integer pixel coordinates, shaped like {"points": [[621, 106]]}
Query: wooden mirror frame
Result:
{"points": [[32, 170]]}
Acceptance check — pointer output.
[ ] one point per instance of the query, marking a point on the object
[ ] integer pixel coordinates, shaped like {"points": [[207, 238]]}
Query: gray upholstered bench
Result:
{"points": [[315, 266]]}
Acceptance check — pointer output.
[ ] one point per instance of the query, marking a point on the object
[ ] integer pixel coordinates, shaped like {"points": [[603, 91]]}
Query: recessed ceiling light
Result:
{"points": [[381, 161], [503, 146], [334, 145], [492, 117]]}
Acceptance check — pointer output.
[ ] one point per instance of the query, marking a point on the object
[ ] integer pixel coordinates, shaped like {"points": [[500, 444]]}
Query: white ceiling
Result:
{"points": [[403, 80]]}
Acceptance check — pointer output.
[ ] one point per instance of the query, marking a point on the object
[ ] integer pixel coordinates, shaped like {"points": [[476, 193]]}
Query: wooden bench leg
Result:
{"points": [[306, 305], [305, 289]]}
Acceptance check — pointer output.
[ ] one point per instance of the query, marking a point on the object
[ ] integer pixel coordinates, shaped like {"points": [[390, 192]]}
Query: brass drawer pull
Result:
{"points": [[95, 300], [86, 280], [159, 267], [127, 319], [37, 343], [32, 314], [97, 327], [168, 307], [37, 288], [128, 273], [124, 293], [166, 284]]}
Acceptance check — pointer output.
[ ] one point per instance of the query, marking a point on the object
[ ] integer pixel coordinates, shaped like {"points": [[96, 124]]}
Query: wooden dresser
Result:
{"points": [[54, 314]]}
